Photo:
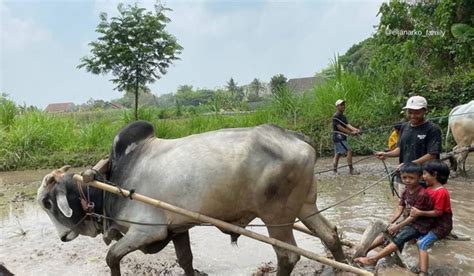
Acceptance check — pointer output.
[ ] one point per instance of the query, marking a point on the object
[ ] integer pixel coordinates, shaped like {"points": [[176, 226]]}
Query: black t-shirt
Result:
{"points": [[338, 119], [415, 142]]}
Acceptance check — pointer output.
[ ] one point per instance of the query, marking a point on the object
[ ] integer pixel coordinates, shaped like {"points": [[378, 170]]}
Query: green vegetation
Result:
{"points": [[423, 48]]}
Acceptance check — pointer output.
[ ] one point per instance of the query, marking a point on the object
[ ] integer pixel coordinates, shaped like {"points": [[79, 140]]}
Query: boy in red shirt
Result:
{"points": [[435, 173], [410, 228]]}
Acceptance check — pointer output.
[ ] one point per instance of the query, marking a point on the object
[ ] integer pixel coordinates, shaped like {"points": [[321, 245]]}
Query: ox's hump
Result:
{"points": [[301, 136], [130, 136]]}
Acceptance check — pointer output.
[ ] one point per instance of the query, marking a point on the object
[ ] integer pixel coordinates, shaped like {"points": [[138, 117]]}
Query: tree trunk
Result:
{"points": [[136, 97]]}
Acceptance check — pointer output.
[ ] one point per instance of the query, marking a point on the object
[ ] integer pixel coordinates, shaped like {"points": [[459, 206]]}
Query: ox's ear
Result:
{"points": [[63, 205]]}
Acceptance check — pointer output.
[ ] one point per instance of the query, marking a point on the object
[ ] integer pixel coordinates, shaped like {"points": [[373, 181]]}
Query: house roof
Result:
{"points": [[116, 105], [59, 107], [300, 85]]}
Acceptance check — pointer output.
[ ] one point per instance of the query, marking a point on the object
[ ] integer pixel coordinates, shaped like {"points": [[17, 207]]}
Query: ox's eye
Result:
{"points": [[47, 203]]}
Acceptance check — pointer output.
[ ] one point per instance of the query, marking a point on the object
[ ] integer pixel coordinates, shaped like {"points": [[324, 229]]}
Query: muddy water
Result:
{"points": [[29, 244]]}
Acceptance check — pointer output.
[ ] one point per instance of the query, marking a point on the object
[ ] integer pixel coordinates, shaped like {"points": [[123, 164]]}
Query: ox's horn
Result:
{"points": [[59, 173], [65, 168], [63, 204], [49, 180]]}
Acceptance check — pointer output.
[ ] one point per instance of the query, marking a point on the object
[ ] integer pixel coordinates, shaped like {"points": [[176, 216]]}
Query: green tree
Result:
{"points": [[236, 92], [187, 96], [255, 87], [420, 47], [277, 83], [134, 47], [232, 87]]}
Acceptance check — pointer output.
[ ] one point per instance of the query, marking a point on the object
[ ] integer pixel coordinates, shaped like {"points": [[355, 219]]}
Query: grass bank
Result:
{"points": [[34, 139]]}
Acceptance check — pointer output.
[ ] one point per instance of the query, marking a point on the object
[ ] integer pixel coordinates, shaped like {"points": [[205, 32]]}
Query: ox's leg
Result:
{"points": [[183, 252], [323, 229], [286, 259], [462, 162], [136, 238]]}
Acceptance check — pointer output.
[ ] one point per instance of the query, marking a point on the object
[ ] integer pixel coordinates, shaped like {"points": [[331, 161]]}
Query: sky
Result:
{"points": [[42, 42]]}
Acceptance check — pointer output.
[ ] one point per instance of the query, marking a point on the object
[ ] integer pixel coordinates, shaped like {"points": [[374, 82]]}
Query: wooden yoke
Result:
{"points": [[102, 166]]}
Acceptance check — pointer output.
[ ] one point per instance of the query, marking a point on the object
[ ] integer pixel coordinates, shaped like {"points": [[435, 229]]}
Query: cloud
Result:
{"points": [[19, 34], [222, 39], [247, 41]]}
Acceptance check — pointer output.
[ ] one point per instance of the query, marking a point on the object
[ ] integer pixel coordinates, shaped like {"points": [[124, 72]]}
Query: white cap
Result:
{"points": [[338, 102], [416, 102]]}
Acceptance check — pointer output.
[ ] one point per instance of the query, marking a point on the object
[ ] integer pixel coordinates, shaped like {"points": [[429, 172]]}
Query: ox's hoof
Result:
{"points": [[199, 273]]}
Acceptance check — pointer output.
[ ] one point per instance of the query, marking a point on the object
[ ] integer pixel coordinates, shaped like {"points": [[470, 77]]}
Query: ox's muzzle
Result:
{"points": [[69, 236]]}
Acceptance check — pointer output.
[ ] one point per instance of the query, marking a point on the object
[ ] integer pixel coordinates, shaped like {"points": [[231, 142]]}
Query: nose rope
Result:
{"points": [[86, 204]]}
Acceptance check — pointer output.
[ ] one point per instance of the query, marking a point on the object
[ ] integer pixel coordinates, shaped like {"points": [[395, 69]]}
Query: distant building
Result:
{"points": [[111, 105], [301, 85], [59, 107]]}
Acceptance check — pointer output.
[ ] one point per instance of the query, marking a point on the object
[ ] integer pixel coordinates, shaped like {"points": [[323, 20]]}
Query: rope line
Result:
{"points": [[360, 160], [247, 225], [351, 196], [375, 129]]}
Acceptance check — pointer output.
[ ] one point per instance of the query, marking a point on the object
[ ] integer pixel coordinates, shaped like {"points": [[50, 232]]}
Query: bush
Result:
{"points": [[8, 111]]}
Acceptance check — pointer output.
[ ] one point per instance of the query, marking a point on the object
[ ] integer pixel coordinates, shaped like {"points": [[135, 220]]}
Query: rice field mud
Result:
{"points": [[29, 244]]}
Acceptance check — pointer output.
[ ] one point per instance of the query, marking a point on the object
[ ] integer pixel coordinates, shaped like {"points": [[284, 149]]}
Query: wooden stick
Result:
{"points": [[224, 225], [302, 228]]}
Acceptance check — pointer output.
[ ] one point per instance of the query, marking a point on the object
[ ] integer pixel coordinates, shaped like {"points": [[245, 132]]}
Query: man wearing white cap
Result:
{"points": [[419, 140], [341, 129]]}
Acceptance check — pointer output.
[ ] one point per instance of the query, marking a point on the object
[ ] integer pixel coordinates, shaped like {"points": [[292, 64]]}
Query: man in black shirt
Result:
{"points": [[341, 129], [419, 140]]}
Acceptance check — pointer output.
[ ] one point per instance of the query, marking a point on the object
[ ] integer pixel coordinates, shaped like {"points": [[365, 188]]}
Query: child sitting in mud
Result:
{"points": [[410, 228], [435, 174]]}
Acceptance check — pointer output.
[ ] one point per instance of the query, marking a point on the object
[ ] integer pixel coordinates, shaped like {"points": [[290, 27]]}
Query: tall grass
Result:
{"points": [[36, 139], [39, 139]]}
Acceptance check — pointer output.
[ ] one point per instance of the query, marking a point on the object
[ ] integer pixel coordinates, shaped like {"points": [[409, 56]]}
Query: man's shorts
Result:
{"points": [[341, 147], [407, 233], [426, 241]]}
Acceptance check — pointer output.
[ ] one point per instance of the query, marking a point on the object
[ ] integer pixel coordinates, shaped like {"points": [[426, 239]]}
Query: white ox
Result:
{"points": [[233, 175], [461, 124]]}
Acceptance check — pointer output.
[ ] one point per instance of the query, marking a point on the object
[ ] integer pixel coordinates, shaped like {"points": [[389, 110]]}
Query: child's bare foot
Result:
{"points": [[365, 261]]}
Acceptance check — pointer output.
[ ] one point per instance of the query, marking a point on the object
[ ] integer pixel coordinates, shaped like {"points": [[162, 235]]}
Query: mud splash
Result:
{"points": [[29, 244]]}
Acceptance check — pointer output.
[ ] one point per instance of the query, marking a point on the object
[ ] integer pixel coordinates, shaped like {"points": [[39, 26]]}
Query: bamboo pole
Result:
{"points": [[300, 227], [224, 225]]}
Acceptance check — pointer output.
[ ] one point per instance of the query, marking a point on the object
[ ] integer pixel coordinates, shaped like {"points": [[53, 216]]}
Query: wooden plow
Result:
{"points": [[448, 155], [227, 226]]}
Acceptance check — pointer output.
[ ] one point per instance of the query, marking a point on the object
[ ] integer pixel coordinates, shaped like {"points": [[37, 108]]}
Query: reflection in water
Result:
{"points": [[29, 244]]}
